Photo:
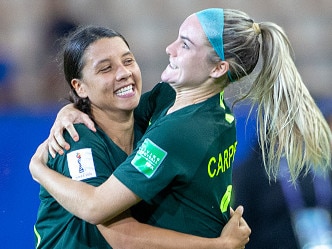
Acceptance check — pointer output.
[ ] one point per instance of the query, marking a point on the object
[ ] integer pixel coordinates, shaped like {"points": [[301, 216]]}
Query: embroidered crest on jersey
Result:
{"points": [[148, 158], [80, 164]]}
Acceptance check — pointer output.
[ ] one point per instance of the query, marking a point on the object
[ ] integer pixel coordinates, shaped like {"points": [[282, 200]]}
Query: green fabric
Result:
{"points": [[183, 168], [55, 227]]}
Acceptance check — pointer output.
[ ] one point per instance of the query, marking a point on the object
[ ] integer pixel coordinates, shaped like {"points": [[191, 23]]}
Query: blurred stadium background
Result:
{"points": [[32, 89]]}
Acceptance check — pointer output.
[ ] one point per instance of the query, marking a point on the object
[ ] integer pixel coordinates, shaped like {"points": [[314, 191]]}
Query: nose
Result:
{"points": [[170, 50], [123, 73]]}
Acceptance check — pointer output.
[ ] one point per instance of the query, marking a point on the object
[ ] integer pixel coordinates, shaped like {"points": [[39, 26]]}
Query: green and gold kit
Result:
{"points": [[182, 167], [92, 159]]}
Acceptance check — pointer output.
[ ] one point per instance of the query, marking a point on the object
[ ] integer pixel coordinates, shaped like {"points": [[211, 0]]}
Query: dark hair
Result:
{"points": [[73, 51]]}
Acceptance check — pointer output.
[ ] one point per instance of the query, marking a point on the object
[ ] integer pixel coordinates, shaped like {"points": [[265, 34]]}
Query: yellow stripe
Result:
{"points": [[221, 102], [37, 236], [229, 118], [226, 199]]}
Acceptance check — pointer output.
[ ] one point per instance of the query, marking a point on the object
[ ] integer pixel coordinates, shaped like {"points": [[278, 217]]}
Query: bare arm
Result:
{"points": [[100, 208], [126, 232], [100, 203]]}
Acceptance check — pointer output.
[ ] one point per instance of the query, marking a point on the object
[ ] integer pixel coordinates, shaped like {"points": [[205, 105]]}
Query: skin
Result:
{"points": [[110, 199], [189, 72], [109, 69]]}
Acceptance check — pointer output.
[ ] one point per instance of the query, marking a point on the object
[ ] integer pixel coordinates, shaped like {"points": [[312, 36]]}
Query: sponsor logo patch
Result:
{"points": [[148, 158], [80, 164]]}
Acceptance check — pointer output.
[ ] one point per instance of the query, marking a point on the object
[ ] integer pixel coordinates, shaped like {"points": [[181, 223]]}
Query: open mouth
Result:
{"points": [[172, 66], [125, 90]]}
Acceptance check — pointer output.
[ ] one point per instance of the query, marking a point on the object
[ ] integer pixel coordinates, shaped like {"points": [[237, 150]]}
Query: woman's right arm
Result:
{"points": [[88, 203], [101, 204], [126, 232], [65, 120], [69, 115]]}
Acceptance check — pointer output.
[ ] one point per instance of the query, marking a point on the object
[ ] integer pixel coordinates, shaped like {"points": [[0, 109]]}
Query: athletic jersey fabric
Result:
{"points": [[182, 168], [92, 159]]}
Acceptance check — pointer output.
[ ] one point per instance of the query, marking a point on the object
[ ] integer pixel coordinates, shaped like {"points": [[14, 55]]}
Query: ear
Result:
{"points": [[79, 87], [220, 69]]}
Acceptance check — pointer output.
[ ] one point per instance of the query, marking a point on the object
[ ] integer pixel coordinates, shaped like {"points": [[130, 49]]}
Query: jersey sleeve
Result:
{"points": [[87, 160], [179, 146], [159, 160]]}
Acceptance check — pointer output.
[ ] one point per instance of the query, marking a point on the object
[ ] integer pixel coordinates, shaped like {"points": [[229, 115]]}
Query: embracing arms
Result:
{"points": [[127, 231], [124, 230], [91, 203]]}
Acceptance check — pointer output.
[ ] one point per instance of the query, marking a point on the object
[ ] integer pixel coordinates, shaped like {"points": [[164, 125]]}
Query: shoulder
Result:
{"points": [[161, 89], [84, 132], [162, 86], [88, 138]]}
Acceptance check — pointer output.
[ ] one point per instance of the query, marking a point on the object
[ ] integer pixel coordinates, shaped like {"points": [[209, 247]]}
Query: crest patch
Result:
{"points": [[80, 164], [148, 158]]}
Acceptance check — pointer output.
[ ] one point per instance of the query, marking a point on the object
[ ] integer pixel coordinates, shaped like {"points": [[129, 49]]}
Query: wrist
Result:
{"points": [[219, 243]]}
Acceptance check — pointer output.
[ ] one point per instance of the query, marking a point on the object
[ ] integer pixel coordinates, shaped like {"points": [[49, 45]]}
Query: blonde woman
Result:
{"points": [[105, 82], [182, 166]]}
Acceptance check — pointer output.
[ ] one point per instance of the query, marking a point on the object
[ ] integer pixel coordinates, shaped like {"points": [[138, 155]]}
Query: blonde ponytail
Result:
{"points": [[289, 124]]}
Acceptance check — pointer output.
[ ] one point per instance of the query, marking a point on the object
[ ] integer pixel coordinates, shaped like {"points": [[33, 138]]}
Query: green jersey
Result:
{"points": [[92, 159], [182, 167]]}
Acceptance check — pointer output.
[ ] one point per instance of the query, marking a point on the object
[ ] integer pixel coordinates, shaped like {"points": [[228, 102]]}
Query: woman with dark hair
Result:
{"points": [[182, 167], [106, 84]]}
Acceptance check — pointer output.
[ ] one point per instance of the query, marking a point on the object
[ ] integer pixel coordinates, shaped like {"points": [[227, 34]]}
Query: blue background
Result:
{"points": [[20, 133]]}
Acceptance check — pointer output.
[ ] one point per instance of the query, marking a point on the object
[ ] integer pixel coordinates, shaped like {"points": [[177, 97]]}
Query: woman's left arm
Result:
{"points": [[93, 204]]}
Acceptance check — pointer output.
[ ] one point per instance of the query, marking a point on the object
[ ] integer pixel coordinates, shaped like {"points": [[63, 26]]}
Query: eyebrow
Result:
{"points": [[107, 59], [187, 39]]}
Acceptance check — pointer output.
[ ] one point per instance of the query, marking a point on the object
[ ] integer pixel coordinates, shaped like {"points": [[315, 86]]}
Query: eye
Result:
{"points": [[128, 61], [105, 69], [185, 45]]}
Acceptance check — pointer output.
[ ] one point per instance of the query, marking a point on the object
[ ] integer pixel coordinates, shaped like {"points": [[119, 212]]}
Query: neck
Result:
{"points": [[190, 96], [118, 126]]}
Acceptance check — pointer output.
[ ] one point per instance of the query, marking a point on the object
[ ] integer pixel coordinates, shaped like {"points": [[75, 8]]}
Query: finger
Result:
{"points": [[51, 151], [239, 211], [231, 211], [72, 132], [242, 221], [54, 147], [58, 142], [88, 122], [237, 215]]}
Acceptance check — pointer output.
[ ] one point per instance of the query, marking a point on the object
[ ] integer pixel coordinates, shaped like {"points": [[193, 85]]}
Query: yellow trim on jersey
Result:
{"points": [[221, 102], [37, 236], [229, 118], [226, 199]]}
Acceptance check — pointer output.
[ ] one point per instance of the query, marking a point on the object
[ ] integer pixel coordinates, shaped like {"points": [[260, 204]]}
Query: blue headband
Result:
{"points": [[212, 22]]}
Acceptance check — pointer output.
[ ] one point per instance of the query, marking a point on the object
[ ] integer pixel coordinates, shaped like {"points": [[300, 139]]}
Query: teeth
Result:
{"points": [[124, 91], [172, 66]]}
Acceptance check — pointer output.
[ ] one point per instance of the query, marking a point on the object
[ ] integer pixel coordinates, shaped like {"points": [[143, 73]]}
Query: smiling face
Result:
{"points": [[188, 56], [111, 78]]}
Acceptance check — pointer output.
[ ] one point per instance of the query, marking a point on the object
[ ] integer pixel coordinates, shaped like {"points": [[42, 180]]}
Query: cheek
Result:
{"points": [[138, 82], [197, 72], [194, 68]]}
